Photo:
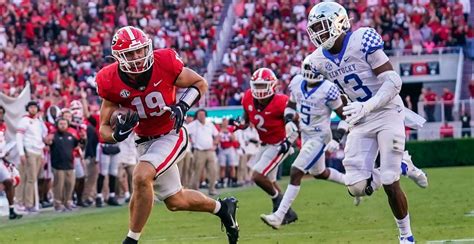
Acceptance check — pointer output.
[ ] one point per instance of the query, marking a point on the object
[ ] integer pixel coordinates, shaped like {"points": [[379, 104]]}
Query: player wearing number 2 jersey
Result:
{"points": [[145, 81], [265, 109], [355, 61]]}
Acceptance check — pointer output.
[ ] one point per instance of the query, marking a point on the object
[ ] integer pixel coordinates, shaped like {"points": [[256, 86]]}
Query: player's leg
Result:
{"points": [[392, 142], [234, 163], [80, 181], [141, 202], [156, 157], [113, 173], [8, 183], [129, 171], [222, 159], [310, 159], [103, 161], [411, 171], [266, 160], [178, 199], [360, 152]]}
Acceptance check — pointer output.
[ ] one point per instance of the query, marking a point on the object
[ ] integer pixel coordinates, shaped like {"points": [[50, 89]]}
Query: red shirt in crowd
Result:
{"points": [[430, 97], [448, 97], [446, 131]]}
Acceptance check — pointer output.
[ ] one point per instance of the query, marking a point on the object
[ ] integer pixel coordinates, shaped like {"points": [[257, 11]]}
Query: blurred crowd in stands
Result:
{"points": [[273, 34], [59, 46]]}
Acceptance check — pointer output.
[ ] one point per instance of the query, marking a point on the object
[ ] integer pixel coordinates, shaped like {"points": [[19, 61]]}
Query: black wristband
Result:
{"points": [[338, 134], [289, 117]]}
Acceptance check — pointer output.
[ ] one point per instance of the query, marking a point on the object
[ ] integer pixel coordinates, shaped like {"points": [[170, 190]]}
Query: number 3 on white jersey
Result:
{"points": [[260, 123], [153, 100]]}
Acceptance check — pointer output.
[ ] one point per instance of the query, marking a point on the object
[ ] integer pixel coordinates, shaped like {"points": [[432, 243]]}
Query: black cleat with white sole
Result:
{"points": [[290, 217], [228, 220]]}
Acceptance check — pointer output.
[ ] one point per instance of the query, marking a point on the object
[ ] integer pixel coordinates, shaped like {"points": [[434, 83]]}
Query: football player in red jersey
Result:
{"points": [[265, 109], [9, 175], [145, 81]]}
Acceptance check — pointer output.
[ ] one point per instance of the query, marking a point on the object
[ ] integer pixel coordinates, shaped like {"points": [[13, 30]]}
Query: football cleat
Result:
{"points": [[112, 201], [407, 240], [228, 220], [272, 220], [415, 174], [98, 202], [14, 215], [290, 217], [357, 201], [129, 240]]}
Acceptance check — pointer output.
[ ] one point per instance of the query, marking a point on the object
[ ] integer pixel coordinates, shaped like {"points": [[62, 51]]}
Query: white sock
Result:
{"points": [[127, 194], [133, 235], [99, 195], [217, 208], [404, 226], [112, 194], [290, 195], [276, 194], [336, 176]]}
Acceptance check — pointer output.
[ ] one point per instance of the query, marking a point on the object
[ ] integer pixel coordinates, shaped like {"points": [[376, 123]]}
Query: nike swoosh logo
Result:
{"points": [[234, 225], [157, 83], [346, 58], [124, 132]]}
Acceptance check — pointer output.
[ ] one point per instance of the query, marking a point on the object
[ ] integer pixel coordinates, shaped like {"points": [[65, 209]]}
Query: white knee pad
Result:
{"points": [[366, 187]]}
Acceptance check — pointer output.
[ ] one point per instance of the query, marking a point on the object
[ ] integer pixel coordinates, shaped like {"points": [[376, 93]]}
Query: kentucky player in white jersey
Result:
{"points": [[313, 98], [356, 63]]}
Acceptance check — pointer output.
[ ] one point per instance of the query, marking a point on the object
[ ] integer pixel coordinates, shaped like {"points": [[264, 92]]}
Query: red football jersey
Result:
{"points": [[270, 122], [148, 100], [226, 139]]}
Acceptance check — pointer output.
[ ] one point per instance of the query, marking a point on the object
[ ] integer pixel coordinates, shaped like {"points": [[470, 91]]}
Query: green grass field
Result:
{"points": [[326, 215]]}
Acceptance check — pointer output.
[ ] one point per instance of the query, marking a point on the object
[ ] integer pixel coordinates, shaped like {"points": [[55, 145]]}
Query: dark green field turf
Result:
{"points": [[325, 210]]}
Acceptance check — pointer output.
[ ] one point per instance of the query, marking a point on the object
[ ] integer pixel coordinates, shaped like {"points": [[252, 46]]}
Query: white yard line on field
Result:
{"points": [[464, 241]]}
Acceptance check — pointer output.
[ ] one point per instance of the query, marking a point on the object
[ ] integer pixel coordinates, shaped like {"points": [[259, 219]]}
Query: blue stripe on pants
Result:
{"points": [[315, 159]]}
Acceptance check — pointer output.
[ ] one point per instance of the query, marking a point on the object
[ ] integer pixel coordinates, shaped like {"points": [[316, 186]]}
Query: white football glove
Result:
{"points": [[354, 112], [332, 146], [291, 131]]}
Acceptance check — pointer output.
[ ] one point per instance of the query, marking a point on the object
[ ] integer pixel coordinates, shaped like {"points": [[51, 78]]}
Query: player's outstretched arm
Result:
{"points": [[196, 85], [189, 77], [391, 86], [105, 129], [240, 123]]}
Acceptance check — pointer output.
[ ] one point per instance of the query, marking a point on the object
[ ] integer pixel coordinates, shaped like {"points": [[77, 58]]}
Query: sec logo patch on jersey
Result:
{"points": [[250, 108], [124, 93]]}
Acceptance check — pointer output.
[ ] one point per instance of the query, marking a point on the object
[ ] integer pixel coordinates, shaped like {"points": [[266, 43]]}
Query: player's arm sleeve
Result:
{"points": [[377, 58], [333, 98], [102, 85], [175, 64], [20, 134], [391, 86], [372, 46]]}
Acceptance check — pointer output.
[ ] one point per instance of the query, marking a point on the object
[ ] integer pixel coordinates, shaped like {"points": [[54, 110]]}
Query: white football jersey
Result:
{"points": [[351, 69], [314, 106]]}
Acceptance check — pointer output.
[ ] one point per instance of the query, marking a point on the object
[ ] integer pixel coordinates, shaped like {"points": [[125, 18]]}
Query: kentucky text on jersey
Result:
{"points": [[340, 71]]}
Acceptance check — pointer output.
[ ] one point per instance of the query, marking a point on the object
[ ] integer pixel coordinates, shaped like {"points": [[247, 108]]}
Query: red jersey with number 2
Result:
{"points": [[269, 122], [149, 100]]}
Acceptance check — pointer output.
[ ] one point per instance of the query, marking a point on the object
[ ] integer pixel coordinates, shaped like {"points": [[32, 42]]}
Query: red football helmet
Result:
{"points": [[132, 48], [263, 83]]}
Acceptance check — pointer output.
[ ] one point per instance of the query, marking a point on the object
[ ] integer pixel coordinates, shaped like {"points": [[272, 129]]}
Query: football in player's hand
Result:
{"points": [[120, 111]]}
